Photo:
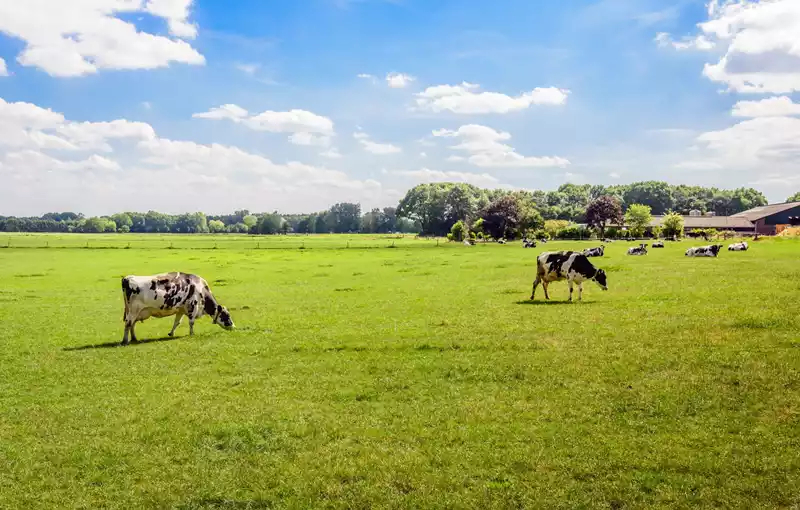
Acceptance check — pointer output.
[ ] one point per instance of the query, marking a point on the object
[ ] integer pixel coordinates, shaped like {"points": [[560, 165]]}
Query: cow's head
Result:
{"points": [[716, 248], [600, 278], [223, 318]]}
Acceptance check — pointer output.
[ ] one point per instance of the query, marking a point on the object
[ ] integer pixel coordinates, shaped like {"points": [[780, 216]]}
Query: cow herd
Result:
{"points": [[181, 294]]}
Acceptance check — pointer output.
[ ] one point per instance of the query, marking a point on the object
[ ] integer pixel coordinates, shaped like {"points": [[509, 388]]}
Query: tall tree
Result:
{"points": [[501, 217], [603, 211], [638, 218], [656, 194], [794, 198], [672, 225]]}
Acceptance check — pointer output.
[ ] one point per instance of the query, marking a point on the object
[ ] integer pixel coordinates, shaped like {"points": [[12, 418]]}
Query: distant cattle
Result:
{"points": [[595, 252], [607, 240], [566, 265], [704, 251], [501, 241], [639, 250], [468, 242], [169, 294], [739, 246], [528, 243], [658, 244]]}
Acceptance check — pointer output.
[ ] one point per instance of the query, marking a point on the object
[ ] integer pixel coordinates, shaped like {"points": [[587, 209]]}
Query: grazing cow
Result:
{"points": [[639, 250], [595, 252], [528, 243], [704, 251], [572, 266], [658, 244], [738, 246], [543, 240], [170, 294]]}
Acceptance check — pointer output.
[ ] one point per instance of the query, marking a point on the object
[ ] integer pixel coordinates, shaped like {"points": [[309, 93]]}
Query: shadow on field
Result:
{"points": [[109, 345], [554, 302]]}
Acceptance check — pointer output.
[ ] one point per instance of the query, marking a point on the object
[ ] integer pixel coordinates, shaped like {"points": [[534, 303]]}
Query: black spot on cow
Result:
{"points": [[581, 265], [209, 305], [153, 285], [127, 289], [557, 261]]}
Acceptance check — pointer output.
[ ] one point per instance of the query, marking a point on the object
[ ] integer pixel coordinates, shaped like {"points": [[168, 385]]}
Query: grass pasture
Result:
{"points": [[414, 377]]}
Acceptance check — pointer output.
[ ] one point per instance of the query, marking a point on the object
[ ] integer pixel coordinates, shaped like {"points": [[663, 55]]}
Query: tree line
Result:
{"points": [[430, 209], [340, 218]]}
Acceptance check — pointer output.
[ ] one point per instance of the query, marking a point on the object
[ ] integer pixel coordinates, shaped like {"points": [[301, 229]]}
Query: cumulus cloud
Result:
{"points": [[759, 50], [399, 80], [426, 175], [700, 43], [468, 99], [3, 68], [80, 37], [305, 128], [380, 149], [332, 153], [224, 176], [485, 148], [770, 107]]}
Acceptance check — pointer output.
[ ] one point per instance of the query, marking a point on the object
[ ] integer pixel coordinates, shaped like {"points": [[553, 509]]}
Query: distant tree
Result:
{"points": [[269, 224], [638, 218], [553, 227], [501, 218], [94, 225], [216, 226], [250, 221], [122, 220], [672, 225], [656, 194], [603, 211], [110, 226], [458, 230], [794, 198]]}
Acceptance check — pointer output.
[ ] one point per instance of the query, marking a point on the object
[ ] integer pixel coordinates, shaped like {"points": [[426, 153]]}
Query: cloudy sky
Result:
{"points": [[213, 105]]}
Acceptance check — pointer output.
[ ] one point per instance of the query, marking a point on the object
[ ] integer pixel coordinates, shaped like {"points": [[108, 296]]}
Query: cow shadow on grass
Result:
{"points": [[554, 302], [118, 343]]}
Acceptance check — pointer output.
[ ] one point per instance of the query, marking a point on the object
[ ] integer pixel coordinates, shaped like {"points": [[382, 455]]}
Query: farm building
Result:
{"points": [[765, 220]]}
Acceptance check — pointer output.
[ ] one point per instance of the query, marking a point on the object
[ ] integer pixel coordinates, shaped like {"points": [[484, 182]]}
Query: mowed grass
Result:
{"points": [[415, 377]]}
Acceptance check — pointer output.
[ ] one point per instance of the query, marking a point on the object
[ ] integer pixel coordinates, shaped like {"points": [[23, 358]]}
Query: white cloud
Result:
{"points": [[79, 37], [332, 153], [700, 43], [311, 139], [770, 107], [423, 155], [426, 175], [248, 69], [399, 80], [455, 159], [95, 135], [3, 68], [483, 144], [760, 52], [31, 162], [305, 128], [468, 99], [147, 105], [615, 175], [380, 149]]}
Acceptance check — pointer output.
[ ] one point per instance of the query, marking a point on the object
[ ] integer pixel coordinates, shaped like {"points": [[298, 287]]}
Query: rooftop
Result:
{"points": [[757, 213], [721, 222]]}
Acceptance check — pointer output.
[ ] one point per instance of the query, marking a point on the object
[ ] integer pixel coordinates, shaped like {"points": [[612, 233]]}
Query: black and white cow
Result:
{"points": [[739, 246], [704, 251], [528, 243], [572, 266], [169, 294], [501, 241], [658, 244], [639, 250], [595, 252]]}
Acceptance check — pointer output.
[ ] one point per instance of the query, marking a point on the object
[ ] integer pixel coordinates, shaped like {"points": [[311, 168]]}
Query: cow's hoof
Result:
{"points": [[170, 335]]}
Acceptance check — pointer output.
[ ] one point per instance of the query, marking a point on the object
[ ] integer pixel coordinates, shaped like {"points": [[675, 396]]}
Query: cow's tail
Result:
{"points": [[126, 295]]}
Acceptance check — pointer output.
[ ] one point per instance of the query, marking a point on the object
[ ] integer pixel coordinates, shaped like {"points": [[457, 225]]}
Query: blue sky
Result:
{"points": [[366, 98]]}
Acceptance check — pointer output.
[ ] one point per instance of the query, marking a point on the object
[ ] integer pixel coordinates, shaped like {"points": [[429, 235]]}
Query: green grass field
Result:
{"points": [[414, 377]]}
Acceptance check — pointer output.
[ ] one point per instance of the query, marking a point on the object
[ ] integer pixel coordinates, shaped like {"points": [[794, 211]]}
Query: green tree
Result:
{"points": [[602, 211], [269, 224], [553, 227], [458, 230], [110, 226], [672, 225], [501, 218], [656, 194], [638, 218], [794, 198], [216, 226], [94, 225], [250, 221], [122, 220]]}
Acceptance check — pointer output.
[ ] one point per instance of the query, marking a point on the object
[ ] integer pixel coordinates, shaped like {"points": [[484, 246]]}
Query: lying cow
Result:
{"points": [[528, 243], [595, 252], [738, 246], [566, 265], [169, 294], [704, 251], [658, 244], [639, 250], [501, 241]]}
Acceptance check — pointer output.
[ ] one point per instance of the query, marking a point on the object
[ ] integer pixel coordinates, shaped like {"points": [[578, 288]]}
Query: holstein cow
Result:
{"points": [[639, 250], [738, 246], [658, 244], [704, 251], [528, 243], [566, 265], [595, 252], [169, 294]]}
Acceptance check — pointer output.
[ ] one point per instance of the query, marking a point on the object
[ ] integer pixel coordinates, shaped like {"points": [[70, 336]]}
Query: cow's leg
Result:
{"points": [[178, 319], [133, 332], [546, 294], [536, 283], [191, 326], [570, 290], [125, 340], [580, 291]]}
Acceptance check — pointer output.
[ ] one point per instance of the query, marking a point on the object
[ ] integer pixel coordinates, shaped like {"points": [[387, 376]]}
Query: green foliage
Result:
{"points": [[573, 232], [269, 224], [250, 220], [216, 226], [673, 225], [457, 231], [638, 218], [602, 211], [501, 218], [657, 231], [794, 198], [553, 227]]}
